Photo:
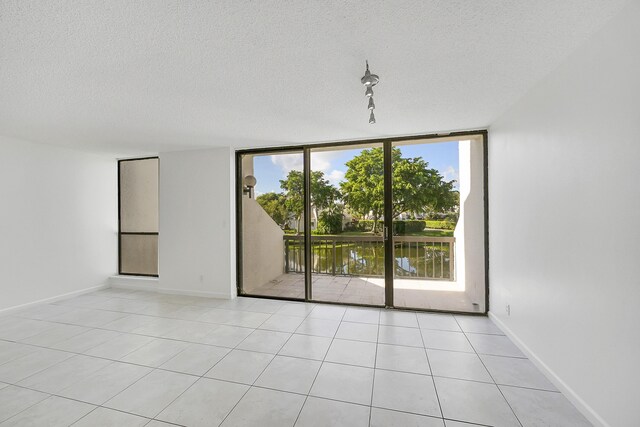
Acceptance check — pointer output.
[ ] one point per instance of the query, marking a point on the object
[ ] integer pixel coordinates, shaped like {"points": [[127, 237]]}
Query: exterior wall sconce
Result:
{"points": [[369, 81], [249, 182]]}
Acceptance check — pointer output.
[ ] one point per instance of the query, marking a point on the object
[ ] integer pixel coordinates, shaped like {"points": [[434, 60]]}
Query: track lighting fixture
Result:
{"points": [[369, 81]]}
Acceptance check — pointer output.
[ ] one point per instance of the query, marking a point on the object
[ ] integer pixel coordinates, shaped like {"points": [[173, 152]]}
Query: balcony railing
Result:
{"points": [[415, 256]]}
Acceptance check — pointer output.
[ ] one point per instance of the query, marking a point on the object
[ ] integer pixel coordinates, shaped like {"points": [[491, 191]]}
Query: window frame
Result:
{"points": [[387, 142], [130, 233]]}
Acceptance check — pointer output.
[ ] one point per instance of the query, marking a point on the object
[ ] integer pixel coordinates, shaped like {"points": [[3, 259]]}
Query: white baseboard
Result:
{"points": [[138, 283], [205, 294], [53, 299], [567, 391], [141, 283], [123, 282]]}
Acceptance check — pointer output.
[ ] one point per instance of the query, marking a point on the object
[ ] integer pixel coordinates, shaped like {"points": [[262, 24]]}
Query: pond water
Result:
{"points": [[412, 259]]}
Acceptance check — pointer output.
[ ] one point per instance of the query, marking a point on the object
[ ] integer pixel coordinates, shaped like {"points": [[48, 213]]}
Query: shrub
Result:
{"points": [[363, 225], [441, 225], [413, 226], [330, 223], [399, 226], [351, 226], [408, 226]]}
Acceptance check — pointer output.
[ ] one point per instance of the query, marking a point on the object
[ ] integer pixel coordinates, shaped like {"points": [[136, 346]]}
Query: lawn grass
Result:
{"points": [[429, 232]]}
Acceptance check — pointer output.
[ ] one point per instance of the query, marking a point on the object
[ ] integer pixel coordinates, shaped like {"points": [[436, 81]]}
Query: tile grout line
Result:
{"points": [[375, 363], [160, 368], [250, 386], [75, 400], [153, 316], [223, 347], [320, 368], [30, 406], [490, 375], [203, 376], [110, 409], [220, 306], [433, 380], [218, 324], [216, 307], [189, 343], [173, 423], [126, 388]]}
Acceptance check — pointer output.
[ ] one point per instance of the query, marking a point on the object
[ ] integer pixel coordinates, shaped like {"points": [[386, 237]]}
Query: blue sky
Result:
{"points": [[270, 169]]}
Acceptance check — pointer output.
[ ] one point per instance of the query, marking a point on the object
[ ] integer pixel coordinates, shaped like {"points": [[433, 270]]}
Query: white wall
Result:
{"points": [[469, 232], [197, 217], [263, 248], [58, 221], [564, 194]]}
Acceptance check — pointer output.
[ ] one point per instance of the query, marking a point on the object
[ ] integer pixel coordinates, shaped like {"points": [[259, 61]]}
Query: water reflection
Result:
{"points": [[429, 260]]}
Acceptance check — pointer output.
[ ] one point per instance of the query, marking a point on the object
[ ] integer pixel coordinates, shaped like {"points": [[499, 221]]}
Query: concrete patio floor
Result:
{"points": [[413, 293]]}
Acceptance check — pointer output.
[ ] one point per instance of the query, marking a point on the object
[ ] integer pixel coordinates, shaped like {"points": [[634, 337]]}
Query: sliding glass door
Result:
{"points": [[272, 242], [438, 220], [347, 224], [396, 223]]}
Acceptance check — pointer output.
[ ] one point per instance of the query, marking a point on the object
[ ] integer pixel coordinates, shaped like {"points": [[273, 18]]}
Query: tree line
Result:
{"points": [[417, 190]]}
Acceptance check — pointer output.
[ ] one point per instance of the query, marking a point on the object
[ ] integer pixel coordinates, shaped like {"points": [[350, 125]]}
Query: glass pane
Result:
{"points": [[428, 234], [273, 225], [139, 254], [347, 242], [139, 195]]}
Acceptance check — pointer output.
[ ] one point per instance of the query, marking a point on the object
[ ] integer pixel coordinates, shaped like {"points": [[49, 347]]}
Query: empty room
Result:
{"points": [[323, 213]]}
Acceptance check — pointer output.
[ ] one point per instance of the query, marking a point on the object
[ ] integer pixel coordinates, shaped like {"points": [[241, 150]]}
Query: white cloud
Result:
{"points": [[450, 173], [335, 176], [322, 160], [288, 162]]}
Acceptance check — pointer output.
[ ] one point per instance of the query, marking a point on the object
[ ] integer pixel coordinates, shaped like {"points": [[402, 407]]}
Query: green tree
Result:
{"points": [[293, 194], [323, 194], [330, 220], [274, 204], [416, 187], [363, 185]]}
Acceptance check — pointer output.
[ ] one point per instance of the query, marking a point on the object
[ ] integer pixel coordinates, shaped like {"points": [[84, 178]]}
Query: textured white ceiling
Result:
{"points": [[142, 76]]}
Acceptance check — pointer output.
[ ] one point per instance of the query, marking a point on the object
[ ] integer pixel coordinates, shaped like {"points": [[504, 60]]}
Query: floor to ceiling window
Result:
{"points": [[438, 224], [273, 260], [348, 259], [397, 223], [138, 216]]}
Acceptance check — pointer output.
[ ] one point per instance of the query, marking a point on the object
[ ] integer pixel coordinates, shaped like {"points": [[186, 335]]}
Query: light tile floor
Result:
{"points": [[130, 358]]}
